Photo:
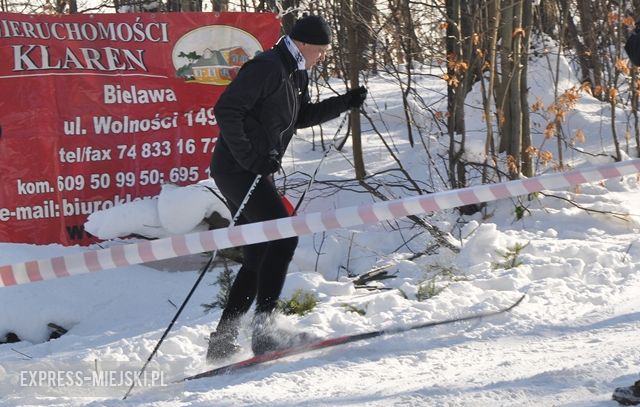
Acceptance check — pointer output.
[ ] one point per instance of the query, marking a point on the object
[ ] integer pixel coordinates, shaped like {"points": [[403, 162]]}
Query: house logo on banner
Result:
{"points": [[204, 55], [101, 110]]}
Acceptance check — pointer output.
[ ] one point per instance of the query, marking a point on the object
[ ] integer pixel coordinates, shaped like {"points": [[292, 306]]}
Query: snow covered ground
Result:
{"points": [[571, 341]]}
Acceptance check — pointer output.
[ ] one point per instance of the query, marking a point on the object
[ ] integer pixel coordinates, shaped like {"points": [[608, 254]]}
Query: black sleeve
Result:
{"points": [[316, 113], [311, 114], [632, 46], [256, 79]]}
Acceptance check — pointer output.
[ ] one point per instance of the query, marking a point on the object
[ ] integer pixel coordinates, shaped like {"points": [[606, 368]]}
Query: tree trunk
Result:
{"points": [[220, 5], [573, 40], [353, 73], [528, 169], [515, 135], [587, 11], [548, 17], [355, 20], [141, 6], [506, 75], [406, 42], [634, 109], [515, 119], [289, 19], [61, 5], [455, 91], [185, 5]]}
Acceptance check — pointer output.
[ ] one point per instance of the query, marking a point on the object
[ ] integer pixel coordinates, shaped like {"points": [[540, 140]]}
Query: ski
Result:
{"points": [[341, 340]]}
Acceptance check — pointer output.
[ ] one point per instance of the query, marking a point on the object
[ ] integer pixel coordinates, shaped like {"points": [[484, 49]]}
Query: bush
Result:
{"points": [[352, 308], [439, 278], [300, 303], [511, 257], [428, 289], [225, 281]]}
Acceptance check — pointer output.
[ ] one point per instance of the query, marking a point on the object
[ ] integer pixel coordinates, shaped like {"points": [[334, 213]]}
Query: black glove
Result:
{"points": [[266, 165], [355, 97]]}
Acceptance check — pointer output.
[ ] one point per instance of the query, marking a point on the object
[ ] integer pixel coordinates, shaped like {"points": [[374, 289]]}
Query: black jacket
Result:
{"points": [[261, 108], [632, 45]]}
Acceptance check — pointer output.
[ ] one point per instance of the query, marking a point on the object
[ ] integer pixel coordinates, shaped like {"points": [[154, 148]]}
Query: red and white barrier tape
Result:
{"points": [[125, 255]]}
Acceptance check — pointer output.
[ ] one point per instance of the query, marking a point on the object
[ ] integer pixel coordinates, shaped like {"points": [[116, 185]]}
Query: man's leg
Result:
{"points": [[272, 274], [264, 204], [223, 342], [244, 287]]}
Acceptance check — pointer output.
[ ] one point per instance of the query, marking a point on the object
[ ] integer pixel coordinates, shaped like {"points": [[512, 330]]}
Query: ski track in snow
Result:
{"points": [[569, 343], [559, 347]]}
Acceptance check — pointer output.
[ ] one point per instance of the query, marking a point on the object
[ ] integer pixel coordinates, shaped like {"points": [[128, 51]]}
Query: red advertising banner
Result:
{"points": [[99, 110]]}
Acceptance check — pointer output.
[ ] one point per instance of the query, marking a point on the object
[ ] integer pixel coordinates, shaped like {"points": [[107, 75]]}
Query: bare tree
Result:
{"points": [[184, 5], [354, 26], [66, 6]]}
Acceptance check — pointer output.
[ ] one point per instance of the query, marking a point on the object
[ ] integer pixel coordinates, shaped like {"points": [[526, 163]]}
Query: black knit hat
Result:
{"points": [[311, 30]]}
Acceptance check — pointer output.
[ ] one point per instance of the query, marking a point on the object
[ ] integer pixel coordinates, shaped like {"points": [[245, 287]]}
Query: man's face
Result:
{"points": [[313, 53]]}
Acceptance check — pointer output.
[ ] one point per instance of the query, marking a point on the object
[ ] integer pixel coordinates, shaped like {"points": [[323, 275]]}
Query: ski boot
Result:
{"points": [[267, 337], [628, 396], [222, 345]]}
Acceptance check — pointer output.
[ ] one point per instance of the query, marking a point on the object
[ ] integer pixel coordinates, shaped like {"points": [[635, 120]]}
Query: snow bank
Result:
{"points": [[176, 210]]}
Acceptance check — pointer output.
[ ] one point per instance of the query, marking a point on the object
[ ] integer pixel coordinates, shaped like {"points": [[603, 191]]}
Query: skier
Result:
{"points": [[258, 114]]}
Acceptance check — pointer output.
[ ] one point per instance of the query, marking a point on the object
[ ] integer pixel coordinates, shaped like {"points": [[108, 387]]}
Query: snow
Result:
{"points": [[573, 339], [162, 216]]}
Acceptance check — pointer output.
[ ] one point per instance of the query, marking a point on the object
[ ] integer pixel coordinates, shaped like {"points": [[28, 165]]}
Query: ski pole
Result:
{"points": [[326, 153], [195, 285]]}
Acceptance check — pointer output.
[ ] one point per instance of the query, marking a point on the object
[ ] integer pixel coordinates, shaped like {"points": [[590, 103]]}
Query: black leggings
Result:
{"points": [[264, 267]]}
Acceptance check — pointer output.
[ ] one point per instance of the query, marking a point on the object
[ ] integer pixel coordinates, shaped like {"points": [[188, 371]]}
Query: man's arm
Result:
{"points": [[312, 114], [316, 113]]}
